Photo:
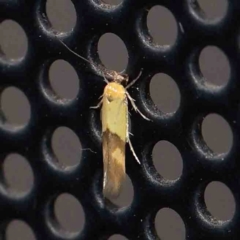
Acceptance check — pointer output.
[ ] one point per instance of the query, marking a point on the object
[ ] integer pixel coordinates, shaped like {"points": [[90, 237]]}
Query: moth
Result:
{"points": [[115, 128], [115, 131]]}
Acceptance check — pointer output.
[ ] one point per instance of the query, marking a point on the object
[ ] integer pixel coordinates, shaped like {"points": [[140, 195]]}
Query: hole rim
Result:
{"points": [[150, 110], [181, 160], [47, 90], [106, 7], [15, 62], [151, 172], [176, 214], [203, 215], [49, 156], [119, 43], [13, 194], [197, 13], [201, 147], [53, 224], [146, 39], [21, 221], [46, 19], [5, 125], [197, 78], [178, 105]]}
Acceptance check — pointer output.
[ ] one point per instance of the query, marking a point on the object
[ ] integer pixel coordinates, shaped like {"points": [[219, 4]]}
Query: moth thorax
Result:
{"points": [[114, 90]]}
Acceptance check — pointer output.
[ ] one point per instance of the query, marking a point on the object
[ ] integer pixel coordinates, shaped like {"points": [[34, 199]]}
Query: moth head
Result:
{"points": [[118, 77]]}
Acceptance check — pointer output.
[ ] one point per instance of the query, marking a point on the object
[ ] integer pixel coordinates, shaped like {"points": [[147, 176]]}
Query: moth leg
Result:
{"points": [[135, 107], [134, 80], [133, 152], [100, 96], [129, 142], [99, 104]]}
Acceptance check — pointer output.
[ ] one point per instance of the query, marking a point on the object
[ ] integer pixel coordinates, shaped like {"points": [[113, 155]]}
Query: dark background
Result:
{"points": [[164, 91]]}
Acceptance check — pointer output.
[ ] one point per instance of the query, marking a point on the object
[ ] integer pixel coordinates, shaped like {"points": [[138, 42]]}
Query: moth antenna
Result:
{"points": [[134, 80], [122, 71], [105, 79], [70, 50]]}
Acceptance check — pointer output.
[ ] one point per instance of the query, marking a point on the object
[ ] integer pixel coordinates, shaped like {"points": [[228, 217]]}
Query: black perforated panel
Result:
{"points": [[182, 128]]}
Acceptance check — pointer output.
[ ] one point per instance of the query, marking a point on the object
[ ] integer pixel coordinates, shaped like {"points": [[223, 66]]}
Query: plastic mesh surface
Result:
{"points": [[182, 128]]}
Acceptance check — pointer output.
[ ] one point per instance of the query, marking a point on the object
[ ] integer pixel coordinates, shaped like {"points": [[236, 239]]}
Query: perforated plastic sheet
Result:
{"points": [[182, 128]]}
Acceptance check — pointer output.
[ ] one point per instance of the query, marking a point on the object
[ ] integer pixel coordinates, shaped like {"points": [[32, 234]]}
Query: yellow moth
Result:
{"points": [[115, 129]]}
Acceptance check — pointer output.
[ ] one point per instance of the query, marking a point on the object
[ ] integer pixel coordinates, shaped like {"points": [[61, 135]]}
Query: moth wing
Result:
{"points": [[114, 121], [114, 164]]}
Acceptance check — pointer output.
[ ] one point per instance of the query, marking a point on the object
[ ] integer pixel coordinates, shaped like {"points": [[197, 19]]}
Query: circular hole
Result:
{"points": [[61, 14], [13, 40], [18, 229], [169, 225], [112, 52], [214, 66], [167, 160], [69, 213], [15, 107], [214, 9], [219, 201], [126, 195], [165, 93], [162, 26], [64, 80], [217, 133], [117, 237], [66, 147], [18, 174]]}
